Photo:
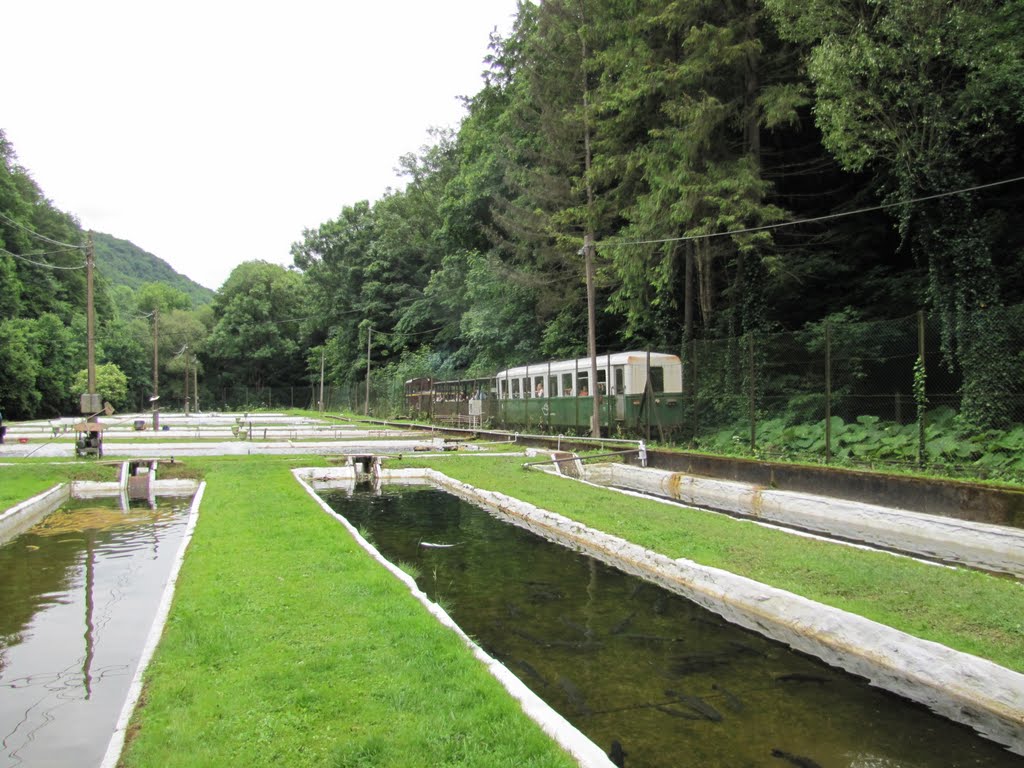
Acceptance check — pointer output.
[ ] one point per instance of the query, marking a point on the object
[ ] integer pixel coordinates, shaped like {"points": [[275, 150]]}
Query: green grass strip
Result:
{"points": [[22, 479], [288, 645], [965, 610]]}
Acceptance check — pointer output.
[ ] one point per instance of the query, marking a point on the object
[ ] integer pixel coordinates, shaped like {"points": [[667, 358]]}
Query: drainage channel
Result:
{"points": [[78, 593], [651, 677]]}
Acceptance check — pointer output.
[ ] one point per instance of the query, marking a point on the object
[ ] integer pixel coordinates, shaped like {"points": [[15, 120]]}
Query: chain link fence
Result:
{"points": [[891, 392], [888, 393]]}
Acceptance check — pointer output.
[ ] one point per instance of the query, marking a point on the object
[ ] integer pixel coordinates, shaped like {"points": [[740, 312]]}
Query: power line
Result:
{"points": [[44, 238], [39, 263], [826, 217]]}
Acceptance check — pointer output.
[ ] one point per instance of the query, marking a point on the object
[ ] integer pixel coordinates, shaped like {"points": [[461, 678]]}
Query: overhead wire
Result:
{"points": [[826, 217], [35, 234], [22, 257]]}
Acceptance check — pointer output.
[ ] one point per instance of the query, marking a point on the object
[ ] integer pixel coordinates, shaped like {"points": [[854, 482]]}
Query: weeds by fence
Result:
{"points": [[882, 393]]}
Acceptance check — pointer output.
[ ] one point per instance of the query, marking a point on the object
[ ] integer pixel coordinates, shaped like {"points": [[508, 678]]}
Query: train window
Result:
{"points": [[552, 390], [657, 379], [602, 378], [566, 385], [620, 380], [515, 388], [581, 385], [538, 386]]}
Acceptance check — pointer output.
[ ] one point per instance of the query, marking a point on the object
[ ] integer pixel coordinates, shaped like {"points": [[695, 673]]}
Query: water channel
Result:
{"points": [[632, 665], [78, 593]]}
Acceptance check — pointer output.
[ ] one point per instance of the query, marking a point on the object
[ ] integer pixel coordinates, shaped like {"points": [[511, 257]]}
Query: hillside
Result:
{"points": [[121, 262]]}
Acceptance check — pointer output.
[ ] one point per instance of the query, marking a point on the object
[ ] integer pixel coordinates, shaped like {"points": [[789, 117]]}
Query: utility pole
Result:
{"points": [[90, 319], [156, 369], [90, 403], [366, 407], [187, 376], [588, 240], [321, 401], [588, 256]]}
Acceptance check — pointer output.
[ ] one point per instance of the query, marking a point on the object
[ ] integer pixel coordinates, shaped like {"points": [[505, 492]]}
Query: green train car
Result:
{"points": [[638, 392]]}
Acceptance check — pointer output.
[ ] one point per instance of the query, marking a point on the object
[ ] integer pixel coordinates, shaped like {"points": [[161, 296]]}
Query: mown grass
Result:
{"points": [[288, 645], [969, 611], [22, 479]]}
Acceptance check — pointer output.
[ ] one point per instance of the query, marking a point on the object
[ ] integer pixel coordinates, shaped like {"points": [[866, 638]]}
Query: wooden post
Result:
{"points": [[366, 407], [156, 369], [321, 402], [588, 254], [90, 319], [187, 372]]}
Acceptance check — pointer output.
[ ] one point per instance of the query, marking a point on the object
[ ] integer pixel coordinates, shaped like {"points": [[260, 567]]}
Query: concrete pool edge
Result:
{"points": [[23, 516], [975, 544], [117, 739], [581, 748], [961, 687]]}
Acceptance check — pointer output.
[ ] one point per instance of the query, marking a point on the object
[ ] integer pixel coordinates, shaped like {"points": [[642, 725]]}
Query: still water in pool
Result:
{"points": [[78, 593], [633, 665]]}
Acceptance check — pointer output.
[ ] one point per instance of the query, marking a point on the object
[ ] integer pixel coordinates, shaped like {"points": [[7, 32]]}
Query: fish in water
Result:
{"points": [[587, 632], [622, 626], [676, 712], [617, 754], [797, 760], [697, 704], [732, 701], [575, 696], [528, 668], [800, 677]]}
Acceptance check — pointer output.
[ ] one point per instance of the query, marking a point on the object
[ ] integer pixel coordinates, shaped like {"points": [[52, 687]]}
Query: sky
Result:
{"points": [[214, 132]]}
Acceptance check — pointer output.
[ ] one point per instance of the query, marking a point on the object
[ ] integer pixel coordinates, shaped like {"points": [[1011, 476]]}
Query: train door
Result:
{"points": [[619, 389]]}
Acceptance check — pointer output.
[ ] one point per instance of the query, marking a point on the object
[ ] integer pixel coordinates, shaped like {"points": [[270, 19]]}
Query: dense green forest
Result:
{"points": [[756, 166], [121, 262]]}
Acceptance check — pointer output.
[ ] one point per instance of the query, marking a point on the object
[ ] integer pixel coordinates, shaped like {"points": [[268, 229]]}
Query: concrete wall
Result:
{"points": [[980, 545], [23, 516]]}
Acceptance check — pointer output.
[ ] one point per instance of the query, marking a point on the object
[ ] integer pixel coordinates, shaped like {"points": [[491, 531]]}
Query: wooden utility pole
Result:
{"points": [[156, 369], [366, 407], [90, 320], [588, 256], [588, 240], [321, 402], [187, 376]]}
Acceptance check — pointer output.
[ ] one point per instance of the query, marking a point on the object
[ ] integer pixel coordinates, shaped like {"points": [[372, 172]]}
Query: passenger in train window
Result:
{"points": [[539, 392]]}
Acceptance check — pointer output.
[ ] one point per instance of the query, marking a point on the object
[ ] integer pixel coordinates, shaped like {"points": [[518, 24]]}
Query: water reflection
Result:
{"points": [[643, 672], [77, 596]]}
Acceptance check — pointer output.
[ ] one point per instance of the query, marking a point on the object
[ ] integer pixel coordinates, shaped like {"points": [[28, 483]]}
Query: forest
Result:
{"points": [[709, 170]]}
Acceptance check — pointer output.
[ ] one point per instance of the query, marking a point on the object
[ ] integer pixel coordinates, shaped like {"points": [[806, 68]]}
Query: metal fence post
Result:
{"points": [[920, 388], [753, 414], [828, 392]]}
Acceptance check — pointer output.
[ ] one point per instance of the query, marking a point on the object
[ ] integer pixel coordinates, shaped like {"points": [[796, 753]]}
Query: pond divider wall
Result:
{"points": [[561, 730], [23, 516], [980, 545], [956, 685]]}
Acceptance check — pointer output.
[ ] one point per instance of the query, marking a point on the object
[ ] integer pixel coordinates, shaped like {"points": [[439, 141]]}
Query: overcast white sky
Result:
{"points": [[211, 132]]}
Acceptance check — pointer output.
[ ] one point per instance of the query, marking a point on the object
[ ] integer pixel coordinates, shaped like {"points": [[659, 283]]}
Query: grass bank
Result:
{"points": [[22, 479], [287, 645], [969, 611]]}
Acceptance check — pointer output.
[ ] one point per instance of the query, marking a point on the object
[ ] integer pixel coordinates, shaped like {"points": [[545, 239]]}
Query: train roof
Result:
{"points": [[638, 357]]}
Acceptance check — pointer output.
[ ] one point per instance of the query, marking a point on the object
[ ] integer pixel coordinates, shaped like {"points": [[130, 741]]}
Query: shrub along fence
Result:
{"points": [[888, 392]]}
